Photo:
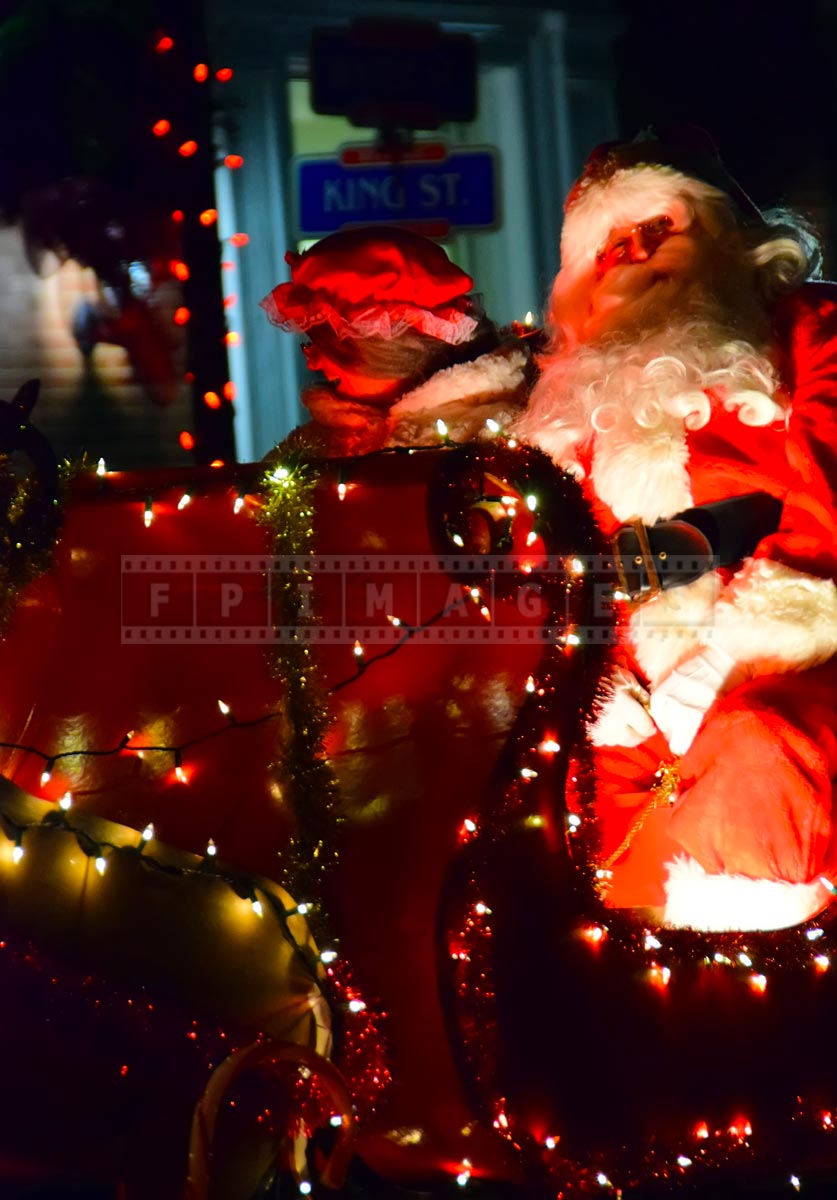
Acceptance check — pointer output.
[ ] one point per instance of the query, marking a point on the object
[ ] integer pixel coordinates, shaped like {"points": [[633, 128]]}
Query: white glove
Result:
{"points": [[622, 718], [680, 702]]}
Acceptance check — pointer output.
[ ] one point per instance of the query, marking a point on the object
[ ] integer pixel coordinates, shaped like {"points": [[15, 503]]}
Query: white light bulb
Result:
{"points": [[211, 848], [531, 502], [302, 909], [238, 504], [100, 467], [101, 865], [341, 491], [148, 832], [441, 427], [357, 1006], [183, 501], [493, 425], [66, 801], [17, 854], [257, 908], [224, 708], [328, 956]]}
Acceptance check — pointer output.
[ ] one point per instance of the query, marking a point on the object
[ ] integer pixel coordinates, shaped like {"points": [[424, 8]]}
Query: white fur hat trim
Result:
{"points": [[629, 196]]}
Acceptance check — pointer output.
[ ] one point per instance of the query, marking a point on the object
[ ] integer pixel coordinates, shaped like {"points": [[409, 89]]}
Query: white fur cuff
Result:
{"points": [[490, 374], [698, 900], [669, 627], [775, 618]]}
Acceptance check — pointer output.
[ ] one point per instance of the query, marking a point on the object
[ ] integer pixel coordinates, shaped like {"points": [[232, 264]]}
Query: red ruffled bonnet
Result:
{"points": [[374, 282]]}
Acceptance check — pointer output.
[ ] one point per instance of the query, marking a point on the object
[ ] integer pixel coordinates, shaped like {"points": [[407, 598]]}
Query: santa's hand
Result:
{"points": [[622, 717], [680, 702]]}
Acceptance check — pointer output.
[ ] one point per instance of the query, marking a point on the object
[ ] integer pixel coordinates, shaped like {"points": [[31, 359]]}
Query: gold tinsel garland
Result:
{"points": [[304, 771], [305, 774]]}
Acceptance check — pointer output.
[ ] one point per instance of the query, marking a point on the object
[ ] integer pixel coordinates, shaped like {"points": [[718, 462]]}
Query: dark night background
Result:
{"points": [[759, 77]]}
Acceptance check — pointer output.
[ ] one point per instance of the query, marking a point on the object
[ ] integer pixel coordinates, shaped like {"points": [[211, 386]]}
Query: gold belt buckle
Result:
{"points": [[645, 558]]}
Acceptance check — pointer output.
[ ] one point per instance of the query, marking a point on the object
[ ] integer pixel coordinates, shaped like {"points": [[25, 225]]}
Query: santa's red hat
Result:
{"points": [[375, 282], [674, 173]]}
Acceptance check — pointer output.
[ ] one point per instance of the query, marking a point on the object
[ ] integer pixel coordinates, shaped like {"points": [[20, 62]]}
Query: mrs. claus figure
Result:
{"points": [[692, 370]]}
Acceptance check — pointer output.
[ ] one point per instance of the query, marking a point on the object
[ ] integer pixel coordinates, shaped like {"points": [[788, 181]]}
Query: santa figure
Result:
{"points": [[401, 340], [691, 382]]}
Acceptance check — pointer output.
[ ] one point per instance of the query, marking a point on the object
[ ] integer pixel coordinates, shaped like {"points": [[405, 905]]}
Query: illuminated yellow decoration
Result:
{"points": [[81, 888]]}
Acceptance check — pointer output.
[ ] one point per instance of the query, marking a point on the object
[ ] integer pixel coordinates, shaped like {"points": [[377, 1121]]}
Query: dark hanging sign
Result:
{"points": [[394, 74]]}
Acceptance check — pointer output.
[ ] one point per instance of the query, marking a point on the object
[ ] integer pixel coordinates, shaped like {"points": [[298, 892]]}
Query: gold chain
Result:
{"points": [[663, 792]]}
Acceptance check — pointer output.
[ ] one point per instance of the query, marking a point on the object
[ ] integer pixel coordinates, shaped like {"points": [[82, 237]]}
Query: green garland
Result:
{"points": [[29, 528]]}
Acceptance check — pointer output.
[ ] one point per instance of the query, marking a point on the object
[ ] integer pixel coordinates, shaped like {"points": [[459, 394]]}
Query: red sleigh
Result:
{"points": [[290, 898]]}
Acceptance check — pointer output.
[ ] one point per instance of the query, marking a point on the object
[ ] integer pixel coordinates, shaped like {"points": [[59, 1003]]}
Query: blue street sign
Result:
{"points": [[458, 191]]}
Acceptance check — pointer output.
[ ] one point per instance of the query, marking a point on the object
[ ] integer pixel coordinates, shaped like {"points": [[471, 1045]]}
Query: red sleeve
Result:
{"points": [[779, 612], [807, 536]]}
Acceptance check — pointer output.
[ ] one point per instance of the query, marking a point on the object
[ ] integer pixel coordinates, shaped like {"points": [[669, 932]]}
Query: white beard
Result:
{"points": [[635, 393]]}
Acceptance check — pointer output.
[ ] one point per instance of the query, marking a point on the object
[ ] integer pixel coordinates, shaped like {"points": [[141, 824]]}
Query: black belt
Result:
{"points": [[651, 558]]}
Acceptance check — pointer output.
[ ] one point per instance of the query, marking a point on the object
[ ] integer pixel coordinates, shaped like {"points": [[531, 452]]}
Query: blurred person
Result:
{"points": [[401, 341], [691, 382]]}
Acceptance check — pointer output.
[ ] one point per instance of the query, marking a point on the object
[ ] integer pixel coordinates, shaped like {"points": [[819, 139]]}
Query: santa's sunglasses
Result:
{"points": [[633, 245]]}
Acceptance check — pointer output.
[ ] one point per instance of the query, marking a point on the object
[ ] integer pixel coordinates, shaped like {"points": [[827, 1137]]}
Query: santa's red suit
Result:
{"points": [[756, 792], [733, 829]]}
